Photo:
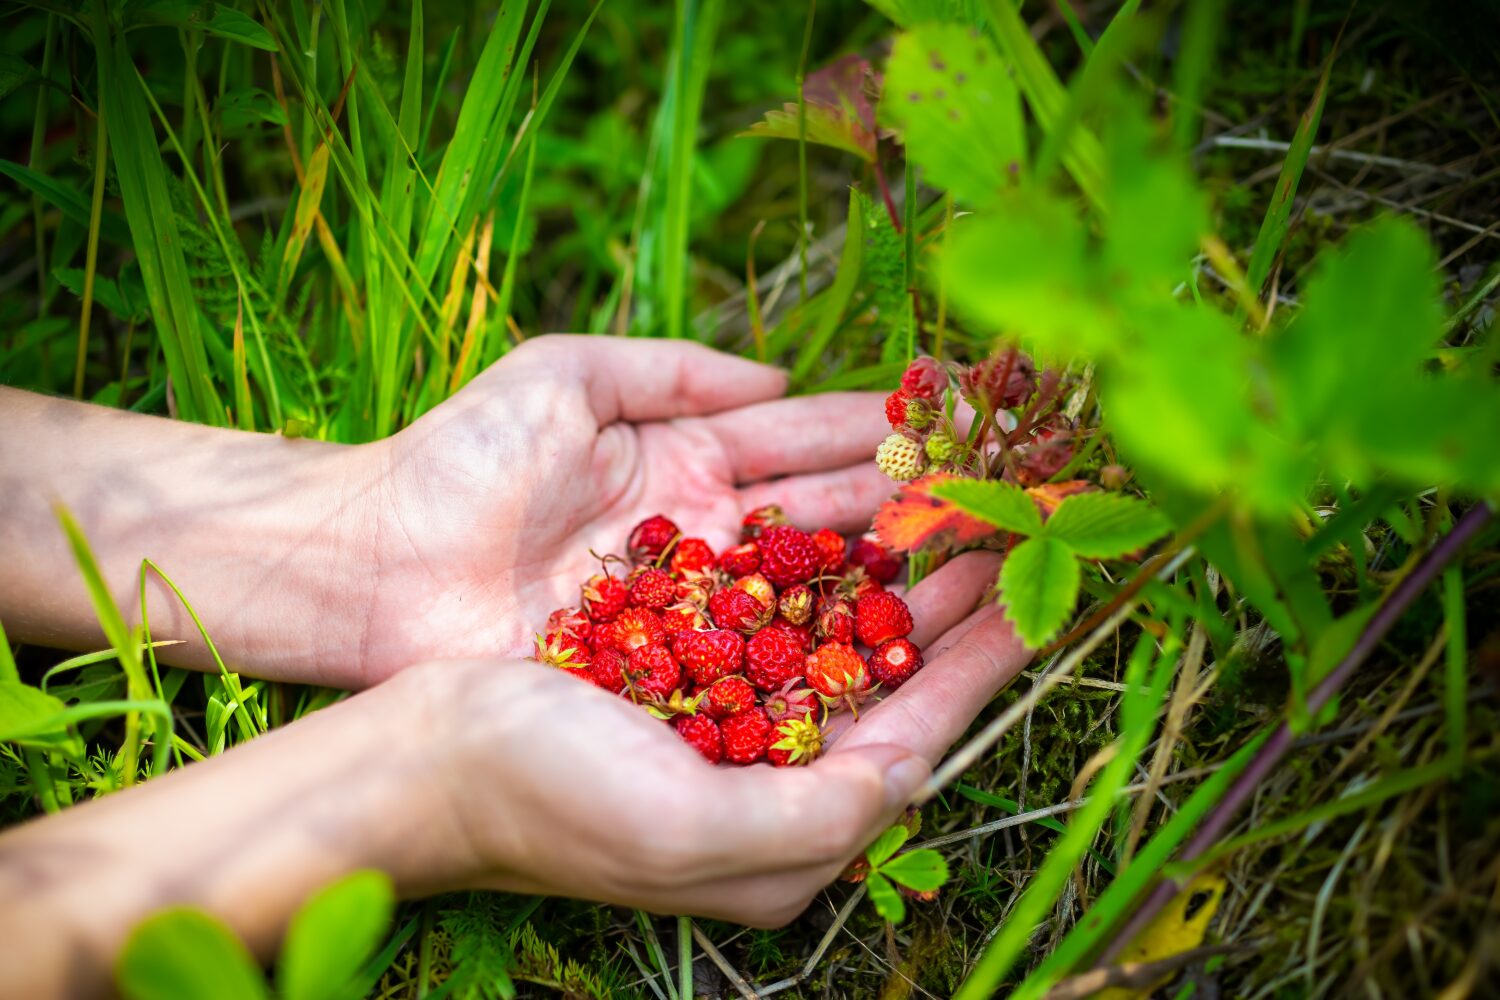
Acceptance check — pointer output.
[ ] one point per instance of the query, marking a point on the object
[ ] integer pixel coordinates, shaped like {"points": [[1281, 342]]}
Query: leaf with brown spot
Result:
{"points": [[916, 519]]}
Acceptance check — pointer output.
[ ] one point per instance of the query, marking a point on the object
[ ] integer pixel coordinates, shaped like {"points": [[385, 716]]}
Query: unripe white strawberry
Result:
{"points": [[900, 457]]}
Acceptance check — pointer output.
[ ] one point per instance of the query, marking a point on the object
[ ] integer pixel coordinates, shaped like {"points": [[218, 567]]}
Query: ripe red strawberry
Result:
{"points": [[728, 696], [745, 736], [571, 621], [831, 546], [634, 628], [604, 597], [879, 562], [692, 554], [695, 587], [772, 658], [759, 519], [836, 622], [925, 378], [895, 408], [758, 587], [793, 701], [653, 672], [788, 556], [1048, 454], [702, 734], [800, 634], [882, 616], [894, 661], [741, 560], [737, 610], [684, 616], [835, 671], [652, 588], [608, 669], [564, 651], [796, 604], [794, 742], [651, 538], [710, 655]]}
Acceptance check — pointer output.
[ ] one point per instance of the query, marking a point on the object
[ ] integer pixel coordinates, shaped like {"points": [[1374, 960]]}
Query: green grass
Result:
{"points": [[323, 219]]}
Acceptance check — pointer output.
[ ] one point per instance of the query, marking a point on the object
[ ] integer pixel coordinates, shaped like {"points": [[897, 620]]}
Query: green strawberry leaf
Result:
{"points": [[886, 897], [333, 935], [1106, 525], [1039, 585], [184, 952], [922, 870], [886, 844], [1005, 505]]}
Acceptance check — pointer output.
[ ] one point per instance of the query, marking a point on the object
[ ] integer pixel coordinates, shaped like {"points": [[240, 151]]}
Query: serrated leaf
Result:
{"points": [[1106, 525], [183, 952], [949, 95], [825, 127], [1039, 586], [1005, 505], [886, 844], [886, 897], [332, 936], [916, 519], [922, 870]]}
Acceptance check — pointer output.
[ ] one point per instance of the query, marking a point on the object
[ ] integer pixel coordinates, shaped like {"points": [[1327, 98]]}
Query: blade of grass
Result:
{"points": [[91, 258], [804, 230]]}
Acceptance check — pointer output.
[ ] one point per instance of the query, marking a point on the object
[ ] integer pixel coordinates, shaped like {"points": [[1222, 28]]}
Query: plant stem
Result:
{"points": [[685, 958], [802, 230]]}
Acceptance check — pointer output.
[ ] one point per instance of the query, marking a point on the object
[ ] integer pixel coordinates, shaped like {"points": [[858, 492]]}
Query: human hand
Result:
{"points": [[488, 505]]}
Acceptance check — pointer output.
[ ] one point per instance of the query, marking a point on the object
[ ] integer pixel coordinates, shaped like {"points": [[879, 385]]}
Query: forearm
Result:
{"points": [[247, 836], [263, 535]]}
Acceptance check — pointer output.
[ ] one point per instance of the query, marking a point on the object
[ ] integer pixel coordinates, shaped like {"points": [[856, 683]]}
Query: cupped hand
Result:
{"points": [[490, 504], [562, 789]]}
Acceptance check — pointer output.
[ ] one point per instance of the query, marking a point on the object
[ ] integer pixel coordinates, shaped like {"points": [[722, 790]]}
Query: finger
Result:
{"points": [[844, 500], [802, 434], [932, 710], [946, 597], [643, 379]]}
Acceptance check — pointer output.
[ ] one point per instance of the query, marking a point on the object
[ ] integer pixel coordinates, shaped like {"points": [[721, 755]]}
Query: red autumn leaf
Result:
{"points": [[917, 519], [1048, 495], [839, 112]]}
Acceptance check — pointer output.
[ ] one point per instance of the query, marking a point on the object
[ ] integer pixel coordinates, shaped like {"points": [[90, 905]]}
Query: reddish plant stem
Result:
{"points": [[1281, 740]]}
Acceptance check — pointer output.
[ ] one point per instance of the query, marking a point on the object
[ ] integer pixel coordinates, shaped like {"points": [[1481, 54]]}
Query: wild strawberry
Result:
{"points": [[608, 669], [895, 408], [856, 583], [925, 378], [742, 560], [634, 628], [745, 736], [692, 554], [564, 651], [759, 519], [919, 414], [571, 621], [941, 447], [1006, 381], [1048, 454], [604, 597], [695, 588], [772, 658], [796, 604], [710, 655], [652, 670], [831, 547], [758, 587], [836, 622], [894, 661], [901, 458], [792, 701], [681, 617], [651, 538], [652, 588], [676, 704], [794, 742], [727, 696], [882, 616], [788, 556], [737, 610], [836, 671], [878, 561], [702, 734], [800, 634]]}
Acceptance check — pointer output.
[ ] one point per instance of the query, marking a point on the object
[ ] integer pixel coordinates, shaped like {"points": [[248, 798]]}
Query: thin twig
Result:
{"points": [[715, 956], [817, 956]]}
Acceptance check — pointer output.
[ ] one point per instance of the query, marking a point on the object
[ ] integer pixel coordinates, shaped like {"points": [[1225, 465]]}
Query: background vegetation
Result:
{"points": [[1259, 238]]}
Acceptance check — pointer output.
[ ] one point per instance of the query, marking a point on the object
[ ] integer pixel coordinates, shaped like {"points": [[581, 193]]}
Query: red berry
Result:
{"points": [[634, 628], [745, 735], [608, 669], [879, 562], [796, 604], [831, 546], [800, 634], [793, 701], [894, 661], [925, 379], [788, 556], [682, 617], [759, 519], [604, 597], [571, 621], [710, 655], [742, 560], [692, 554], [835, 670], [564, 651], [737, 610], [702, 734], [836, 623], [881, 616], [758, 587], [895, 407], [650, 538], [1048, 454], [794, 742], [652, 588], [727, 696], [653, 671], [1006, 380], [772, 657]]}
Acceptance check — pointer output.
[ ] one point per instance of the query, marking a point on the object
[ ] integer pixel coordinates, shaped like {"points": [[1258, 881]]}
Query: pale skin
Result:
{"points": [[418, 568]]}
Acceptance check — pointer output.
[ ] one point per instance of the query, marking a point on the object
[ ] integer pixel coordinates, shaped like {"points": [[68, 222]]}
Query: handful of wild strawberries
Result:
{"points": [[745, 652]]}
